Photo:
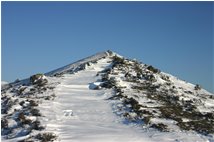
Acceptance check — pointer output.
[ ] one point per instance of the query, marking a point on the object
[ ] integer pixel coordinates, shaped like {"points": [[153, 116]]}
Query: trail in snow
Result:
{"points": [[81, 114]]}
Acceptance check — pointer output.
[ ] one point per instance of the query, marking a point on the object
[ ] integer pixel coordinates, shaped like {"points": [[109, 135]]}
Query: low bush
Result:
{"points": [[160, 126], [46, 137], [21, 90], [33, 103], [36, 125], [197, 87], [38, 79], [35, 112], [154, 70], [110, 52], [23, 119], [164, 77], [118, 60], [4, 123]]}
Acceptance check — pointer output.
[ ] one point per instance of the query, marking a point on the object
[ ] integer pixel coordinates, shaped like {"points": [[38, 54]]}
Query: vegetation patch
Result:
{"points": [[36, 125], [160, 126], [46, 137], [152, 69], [38, 79], [202, 126], [4, 123], [35, 112], [197, 87], [118, 60], [198, 122], [23, 119]]}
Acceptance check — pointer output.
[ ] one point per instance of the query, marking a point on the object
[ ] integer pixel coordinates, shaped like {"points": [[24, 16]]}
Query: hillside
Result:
{"points": [[106, 97]]}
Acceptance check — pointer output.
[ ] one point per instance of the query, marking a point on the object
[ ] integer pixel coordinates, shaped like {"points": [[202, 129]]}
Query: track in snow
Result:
{"points": [[81, 114]]}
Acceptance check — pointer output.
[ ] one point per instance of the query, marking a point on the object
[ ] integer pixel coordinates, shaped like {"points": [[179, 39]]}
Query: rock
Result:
{"points": [[95, 85]]}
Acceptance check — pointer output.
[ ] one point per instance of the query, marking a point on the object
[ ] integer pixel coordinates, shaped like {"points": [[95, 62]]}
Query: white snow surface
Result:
{"points": [[79, 114], [4, 82], [76, 64], [92, 118]]}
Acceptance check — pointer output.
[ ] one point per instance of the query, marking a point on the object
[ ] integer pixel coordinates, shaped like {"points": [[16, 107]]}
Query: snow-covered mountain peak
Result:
{"points": [[106, 97]]}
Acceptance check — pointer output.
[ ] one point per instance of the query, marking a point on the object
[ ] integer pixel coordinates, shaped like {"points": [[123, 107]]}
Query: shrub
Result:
{"points": [[53, 95], [37, 125], [116, 97], [138, 69], [105, 77], [110, 52], [107, 84], [32, 89], [197, 87], [146, 119], [134, 104], [200, 126], [33, 103], [38, 79], [151, 78], [45, 137], [35, 112], [22, 103], [164, 77], [118, 60], [154, 70], [21, 90], [4, 123], [22, 119], [211, 97], [160, 127]]}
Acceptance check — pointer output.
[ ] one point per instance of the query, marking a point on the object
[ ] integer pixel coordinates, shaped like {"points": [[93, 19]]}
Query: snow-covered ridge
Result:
{"points": [[74, 65], [68, 68]]}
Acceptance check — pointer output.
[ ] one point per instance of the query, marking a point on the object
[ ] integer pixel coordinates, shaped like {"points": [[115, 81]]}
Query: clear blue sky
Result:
{"points": [[176, 37]]}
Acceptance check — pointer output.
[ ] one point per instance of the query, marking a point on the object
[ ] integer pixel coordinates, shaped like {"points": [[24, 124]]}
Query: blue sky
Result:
{"points": [[176, 37]]}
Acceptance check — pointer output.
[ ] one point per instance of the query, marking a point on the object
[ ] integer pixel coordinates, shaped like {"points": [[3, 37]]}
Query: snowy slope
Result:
{"points": [[75, 65], [106, 98], [92, 118], [3, 83]]}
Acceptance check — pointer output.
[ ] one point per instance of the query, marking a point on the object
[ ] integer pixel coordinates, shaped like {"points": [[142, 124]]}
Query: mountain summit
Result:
{"points": [[106, 97]]}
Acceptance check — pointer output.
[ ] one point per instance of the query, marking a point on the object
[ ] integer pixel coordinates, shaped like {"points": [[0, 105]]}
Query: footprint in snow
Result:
{"points": [[68, 112]]}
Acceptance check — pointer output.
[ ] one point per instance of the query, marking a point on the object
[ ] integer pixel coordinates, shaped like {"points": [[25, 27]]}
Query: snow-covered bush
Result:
{"points": [[36, 125], [197, 87], [4, 123], [164, 77], [160, 126], [35, 112], [46, 137], [38, 79], [152, 69], [118, 60], [110, 52], [23, 119]]}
